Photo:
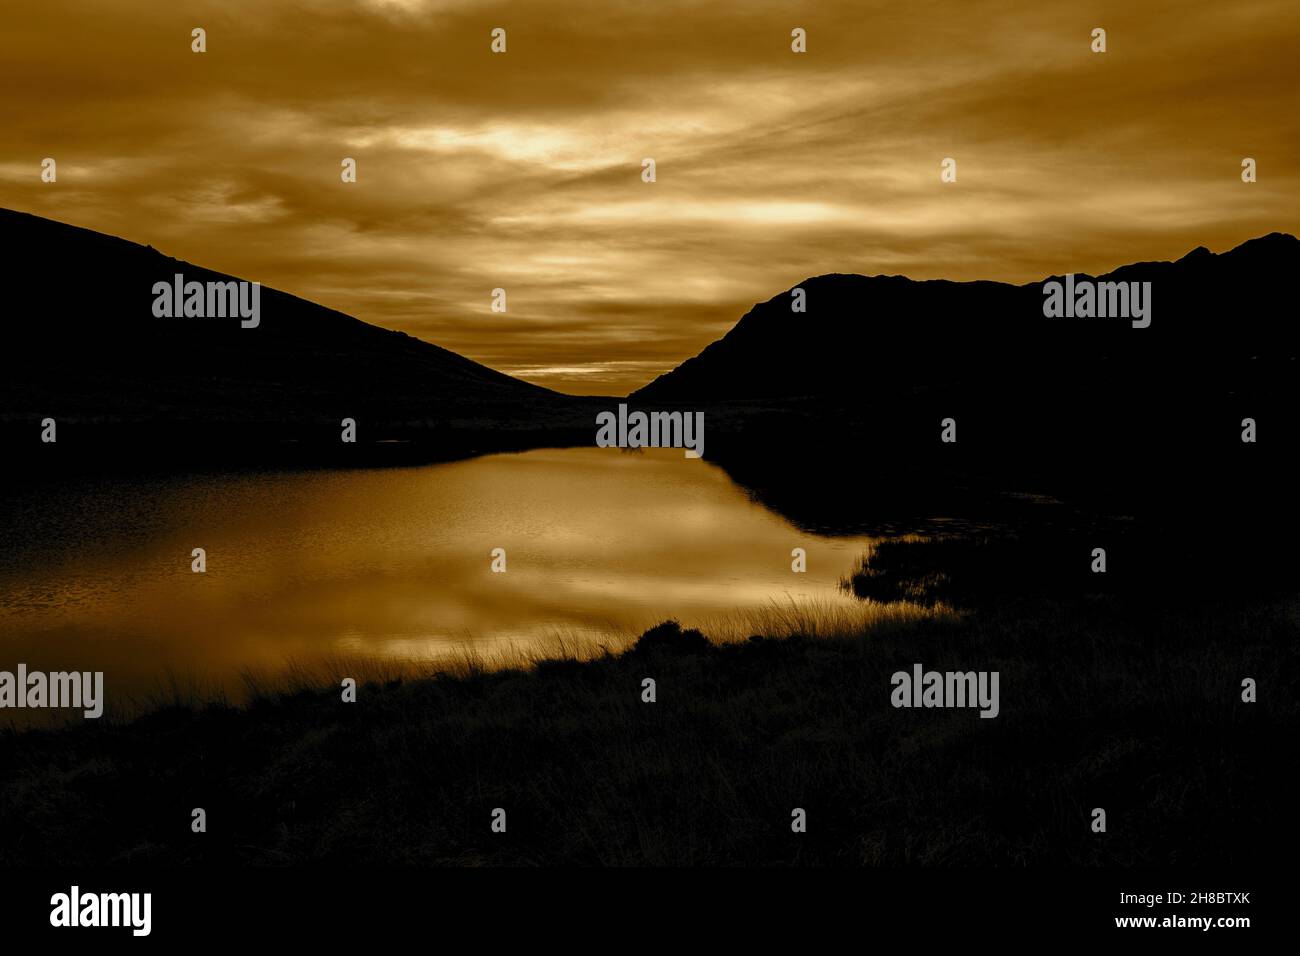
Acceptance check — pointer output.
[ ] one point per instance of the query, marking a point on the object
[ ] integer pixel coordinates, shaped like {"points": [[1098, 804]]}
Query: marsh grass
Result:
{"points": [[1138, 712], [467, 660]]}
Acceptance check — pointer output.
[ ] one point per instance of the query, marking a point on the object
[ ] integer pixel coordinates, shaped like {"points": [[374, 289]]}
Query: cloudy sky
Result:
{"points": [[522, 170]]}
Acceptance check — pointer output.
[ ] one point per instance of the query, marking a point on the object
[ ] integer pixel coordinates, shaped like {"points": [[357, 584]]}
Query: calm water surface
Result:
{"points": [[303, 565]]}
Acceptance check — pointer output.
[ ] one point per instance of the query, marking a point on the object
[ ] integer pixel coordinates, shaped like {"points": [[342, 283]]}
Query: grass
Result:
{"points": [[1136, 710]]}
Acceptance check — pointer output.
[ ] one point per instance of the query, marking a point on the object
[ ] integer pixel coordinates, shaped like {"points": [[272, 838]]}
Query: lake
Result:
{"points": [[392, 563]]}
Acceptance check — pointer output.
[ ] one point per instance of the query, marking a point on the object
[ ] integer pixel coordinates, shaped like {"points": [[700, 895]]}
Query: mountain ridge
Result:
{"points": [[1007, 317], [84, 347], [886, 354]]}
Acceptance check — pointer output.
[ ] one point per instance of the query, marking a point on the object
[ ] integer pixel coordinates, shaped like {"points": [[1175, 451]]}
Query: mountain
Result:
{"points": [[890, 395], [875, 363], [83, 346], [864, 338]]}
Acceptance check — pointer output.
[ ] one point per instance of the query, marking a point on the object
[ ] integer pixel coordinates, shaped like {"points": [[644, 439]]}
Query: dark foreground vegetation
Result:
{"points": [[1138, 712]]}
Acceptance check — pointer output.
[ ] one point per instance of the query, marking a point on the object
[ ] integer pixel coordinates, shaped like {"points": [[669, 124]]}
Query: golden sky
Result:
{"points": [[522, 170]]}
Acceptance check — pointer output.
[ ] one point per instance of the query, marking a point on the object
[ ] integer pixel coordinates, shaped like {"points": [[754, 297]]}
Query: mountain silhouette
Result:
{"points": [[875, 363], [84, 347], [860, 335], [841, 410]]}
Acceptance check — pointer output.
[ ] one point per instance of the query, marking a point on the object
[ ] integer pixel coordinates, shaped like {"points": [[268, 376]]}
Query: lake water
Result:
{"points": [[96, 575]]}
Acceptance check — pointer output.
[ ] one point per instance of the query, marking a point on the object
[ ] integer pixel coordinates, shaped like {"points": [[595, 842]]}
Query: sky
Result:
{"points": [[522, 170]]}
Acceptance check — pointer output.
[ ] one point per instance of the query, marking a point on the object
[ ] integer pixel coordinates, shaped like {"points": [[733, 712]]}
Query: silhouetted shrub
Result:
{"points": [[668, 637]]}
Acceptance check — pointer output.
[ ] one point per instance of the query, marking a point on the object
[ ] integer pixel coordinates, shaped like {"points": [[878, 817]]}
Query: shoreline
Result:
{"points": [[1137, 713]]}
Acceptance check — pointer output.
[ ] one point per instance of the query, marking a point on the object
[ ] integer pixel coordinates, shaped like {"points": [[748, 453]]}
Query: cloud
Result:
{"points": [[523, 170]]}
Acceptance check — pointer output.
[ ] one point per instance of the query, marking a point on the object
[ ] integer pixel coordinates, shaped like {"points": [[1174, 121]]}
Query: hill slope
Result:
{"points": [[842, 409], [883, 331], [83, 346]]}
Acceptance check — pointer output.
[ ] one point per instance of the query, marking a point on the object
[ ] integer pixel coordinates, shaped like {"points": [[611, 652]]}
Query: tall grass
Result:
{"points": [[1134, 710]]}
